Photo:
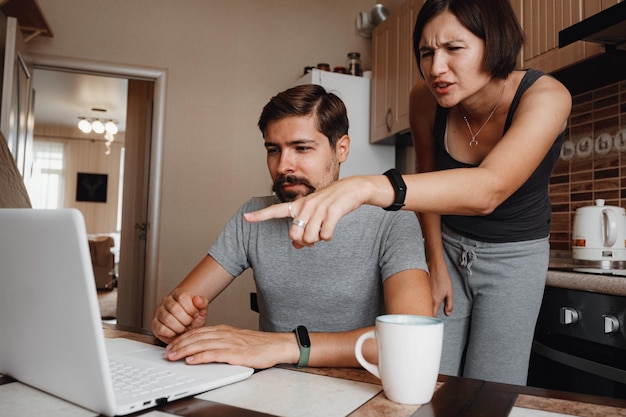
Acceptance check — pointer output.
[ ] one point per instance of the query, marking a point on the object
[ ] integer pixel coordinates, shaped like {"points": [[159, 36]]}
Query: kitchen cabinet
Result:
{"points": [[394, 72], [543, 19]]}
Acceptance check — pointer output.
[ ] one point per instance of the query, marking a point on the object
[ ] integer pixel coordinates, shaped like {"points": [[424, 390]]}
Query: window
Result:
{"points": [[46, 186]]}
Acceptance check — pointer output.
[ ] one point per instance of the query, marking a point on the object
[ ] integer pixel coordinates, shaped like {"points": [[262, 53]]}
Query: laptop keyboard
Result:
{"points": [[132, 381]]}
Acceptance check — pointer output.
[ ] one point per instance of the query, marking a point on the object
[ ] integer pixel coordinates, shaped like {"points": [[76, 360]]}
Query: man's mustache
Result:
{"points": [[292, 180]]}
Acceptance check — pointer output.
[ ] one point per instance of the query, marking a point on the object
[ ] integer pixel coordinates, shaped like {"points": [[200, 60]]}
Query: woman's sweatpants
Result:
{"points": [[498, 288]]}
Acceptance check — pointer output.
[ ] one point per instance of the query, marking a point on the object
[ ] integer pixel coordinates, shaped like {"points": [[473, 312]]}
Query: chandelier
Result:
{"points": [[108, 129]]}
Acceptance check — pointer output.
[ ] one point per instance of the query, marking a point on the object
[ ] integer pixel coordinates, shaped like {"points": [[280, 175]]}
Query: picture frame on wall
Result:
{"points": [[91, 187]]}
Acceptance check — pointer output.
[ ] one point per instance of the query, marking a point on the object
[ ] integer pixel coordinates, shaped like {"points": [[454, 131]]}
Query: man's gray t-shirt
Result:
{"points": [[331, 287]]}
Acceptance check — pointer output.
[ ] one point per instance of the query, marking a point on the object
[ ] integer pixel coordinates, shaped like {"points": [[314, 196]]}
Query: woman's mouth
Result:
{"points": [[441, 87]]}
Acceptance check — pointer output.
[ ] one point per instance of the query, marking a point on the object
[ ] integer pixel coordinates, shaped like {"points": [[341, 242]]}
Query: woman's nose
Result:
{"points": [[439, 64]]}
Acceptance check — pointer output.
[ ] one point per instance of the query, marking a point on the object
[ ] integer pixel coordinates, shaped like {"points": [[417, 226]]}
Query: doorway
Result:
{"points": [[140, 217]]}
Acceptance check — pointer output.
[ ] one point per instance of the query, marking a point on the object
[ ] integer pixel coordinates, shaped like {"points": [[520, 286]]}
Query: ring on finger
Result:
{"points": [[299, 223], [289, 208]]}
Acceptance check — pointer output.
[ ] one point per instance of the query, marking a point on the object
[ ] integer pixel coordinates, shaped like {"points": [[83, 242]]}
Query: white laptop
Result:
{"points": [[50, 326]]}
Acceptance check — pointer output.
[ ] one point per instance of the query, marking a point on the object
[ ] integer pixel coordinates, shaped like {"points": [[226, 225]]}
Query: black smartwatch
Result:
{"points": [[399, 187], [304, 343]]}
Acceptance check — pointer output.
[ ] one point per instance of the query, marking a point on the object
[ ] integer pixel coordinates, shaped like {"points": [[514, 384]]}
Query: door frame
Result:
{"points": [[159, 76]]}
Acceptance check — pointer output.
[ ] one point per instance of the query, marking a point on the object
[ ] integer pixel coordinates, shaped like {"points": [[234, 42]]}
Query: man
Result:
{"points": [[375, 263]]}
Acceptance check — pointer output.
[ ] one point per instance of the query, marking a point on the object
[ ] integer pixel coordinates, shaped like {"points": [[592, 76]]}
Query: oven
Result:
{"points": [[580, 343]]}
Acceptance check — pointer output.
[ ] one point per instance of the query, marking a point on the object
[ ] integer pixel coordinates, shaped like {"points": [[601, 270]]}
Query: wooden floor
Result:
{"points": [[108, 304]]}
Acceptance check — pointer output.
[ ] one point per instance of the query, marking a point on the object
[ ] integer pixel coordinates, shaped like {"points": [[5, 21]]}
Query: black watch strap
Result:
{"points": [[399, 187]]}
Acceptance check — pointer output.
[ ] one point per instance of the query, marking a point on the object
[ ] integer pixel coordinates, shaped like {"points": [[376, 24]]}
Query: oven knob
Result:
{"points": [[569, 315], [611, 324]]}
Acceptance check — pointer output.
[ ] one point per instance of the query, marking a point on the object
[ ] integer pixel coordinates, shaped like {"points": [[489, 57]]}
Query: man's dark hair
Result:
{"points": [[304, 100], [493, 21]]}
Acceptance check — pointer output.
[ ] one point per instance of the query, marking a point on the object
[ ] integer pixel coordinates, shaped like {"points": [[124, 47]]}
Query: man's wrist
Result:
{"points": [[304, 345]]}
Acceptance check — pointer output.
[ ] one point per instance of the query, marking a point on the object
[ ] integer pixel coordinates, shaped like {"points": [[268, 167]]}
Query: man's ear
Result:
{"points": [[343, 148]]}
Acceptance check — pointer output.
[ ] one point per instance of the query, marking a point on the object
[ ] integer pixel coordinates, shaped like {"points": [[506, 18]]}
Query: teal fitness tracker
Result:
{"points": [[304, 343]]}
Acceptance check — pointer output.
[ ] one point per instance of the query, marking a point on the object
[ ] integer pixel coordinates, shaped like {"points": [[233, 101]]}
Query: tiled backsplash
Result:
{"points": [[593, 159]]}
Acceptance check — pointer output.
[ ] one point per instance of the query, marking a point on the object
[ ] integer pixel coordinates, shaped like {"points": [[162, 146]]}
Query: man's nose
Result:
{"points": [[286, 163]]}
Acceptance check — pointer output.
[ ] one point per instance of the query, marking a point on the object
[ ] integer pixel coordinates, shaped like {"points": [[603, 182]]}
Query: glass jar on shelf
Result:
{"points": [[354, 64]]}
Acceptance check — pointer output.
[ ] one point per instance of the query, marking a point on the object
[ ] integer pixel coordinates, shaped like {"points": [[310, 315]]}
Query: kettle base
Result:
{"points": [[620, 272], [600, 267]]}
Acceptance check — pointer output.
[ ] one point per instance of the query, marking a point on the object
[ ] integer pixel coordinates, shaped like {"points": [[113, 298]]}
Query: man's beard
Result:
{"points": [[285, 196]]}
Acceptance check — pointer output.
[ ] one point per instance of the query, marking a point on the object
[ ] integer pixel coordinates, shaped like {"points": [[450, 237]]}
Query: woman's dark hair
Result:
{"points": [[493, 21], [309, 99]]}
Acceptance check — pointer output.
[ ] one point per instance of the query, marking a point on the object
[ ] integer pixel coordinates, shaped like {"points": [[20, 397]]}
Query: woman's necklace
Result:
{"points": [[474, 142]]}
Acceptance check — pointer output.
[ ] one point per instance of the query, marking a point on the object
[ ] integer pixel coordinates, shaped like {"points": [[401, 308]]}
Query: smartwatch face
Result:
{"points": [[303, 336]]}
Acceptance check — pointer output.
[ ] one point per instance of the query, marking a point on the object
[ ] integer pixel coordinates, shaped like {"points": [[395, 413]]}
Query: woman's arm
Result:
{"points": [[540, 118], [422, 108]]}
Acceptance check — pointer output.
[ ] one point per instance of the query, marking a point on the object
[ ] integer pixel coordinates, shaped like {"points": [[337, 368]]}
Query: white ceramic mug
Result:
{"points": [[409, 351]]}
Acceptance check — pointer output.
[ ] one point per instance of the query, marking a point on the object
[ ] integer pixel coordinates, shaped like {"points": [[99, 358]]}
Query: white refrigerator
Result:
{"points": [[364, 158]]}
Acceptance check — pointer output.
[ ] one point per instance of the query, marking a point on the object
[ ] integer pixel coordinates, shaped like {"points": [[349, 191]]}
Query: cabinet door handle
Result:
{"points": [[388, 119]]}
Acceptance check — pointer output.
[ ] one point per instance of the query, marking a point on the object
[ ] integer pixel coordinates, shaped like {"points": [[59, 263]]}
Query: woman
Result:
{"points": [[486, 138]]}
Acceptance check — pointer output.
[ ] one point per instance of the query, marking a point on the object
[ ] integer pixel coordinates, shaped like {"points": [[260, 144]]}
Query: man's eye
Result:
{"points": [[426, 54], [303, 148], [271, 150]]}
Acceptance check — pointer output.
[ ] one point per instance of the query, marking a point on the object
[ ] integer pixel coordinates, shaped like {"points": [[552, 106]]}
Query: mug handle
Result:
{"points": [[358, 352]]}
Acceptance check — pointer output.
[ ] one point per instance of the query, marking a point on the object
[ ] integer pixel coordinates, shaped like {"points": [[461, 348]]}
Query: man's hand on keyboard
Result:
{"points": [[228, 344]]}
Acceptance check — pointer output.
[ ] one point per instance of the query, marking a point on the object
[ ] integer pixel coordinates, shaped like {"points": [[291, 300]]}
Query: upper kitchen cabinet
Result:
{"points": [[543, 19], [394, 72]]}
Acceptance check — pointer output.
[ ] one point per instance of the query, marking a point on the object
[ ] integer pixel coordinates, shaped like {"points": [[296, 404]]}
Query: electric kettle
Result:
{"points": [[598, 239]]}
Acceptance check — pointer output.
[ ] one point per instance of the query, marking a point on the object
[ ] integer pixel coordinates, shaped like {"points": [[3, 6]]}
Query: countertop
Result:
{"points": [[324, 391], [560, 274], [582, 281]]}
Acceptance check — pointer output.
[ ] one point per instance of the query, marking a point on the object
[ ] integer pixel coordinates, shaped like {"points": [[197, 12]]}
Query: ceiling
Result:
{"points": [[61, 98]]}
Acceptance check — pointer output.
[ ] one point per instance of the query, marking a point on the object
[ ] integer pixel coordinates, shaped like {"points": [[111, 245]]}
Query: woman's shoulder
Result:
{"points": [[546, 97], [543, 82], [423, 105], [421, 94]]}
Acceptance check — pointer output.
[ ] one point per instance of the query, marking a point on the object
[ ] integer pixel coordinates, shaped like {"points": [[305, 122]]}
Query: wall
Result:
{"points": [[578, 178], [224, 60]]}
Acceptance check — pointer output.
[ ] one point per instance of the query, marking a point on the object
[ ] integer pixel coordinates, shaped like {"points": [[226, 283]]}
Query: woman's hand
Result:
{"points": [[441, 289], [316, 215]]}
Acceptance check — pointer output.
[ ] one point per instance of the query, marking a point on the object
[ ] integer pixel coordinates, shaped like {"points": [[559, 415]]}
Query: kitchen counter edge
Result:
{"points": [[597, 283]]}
